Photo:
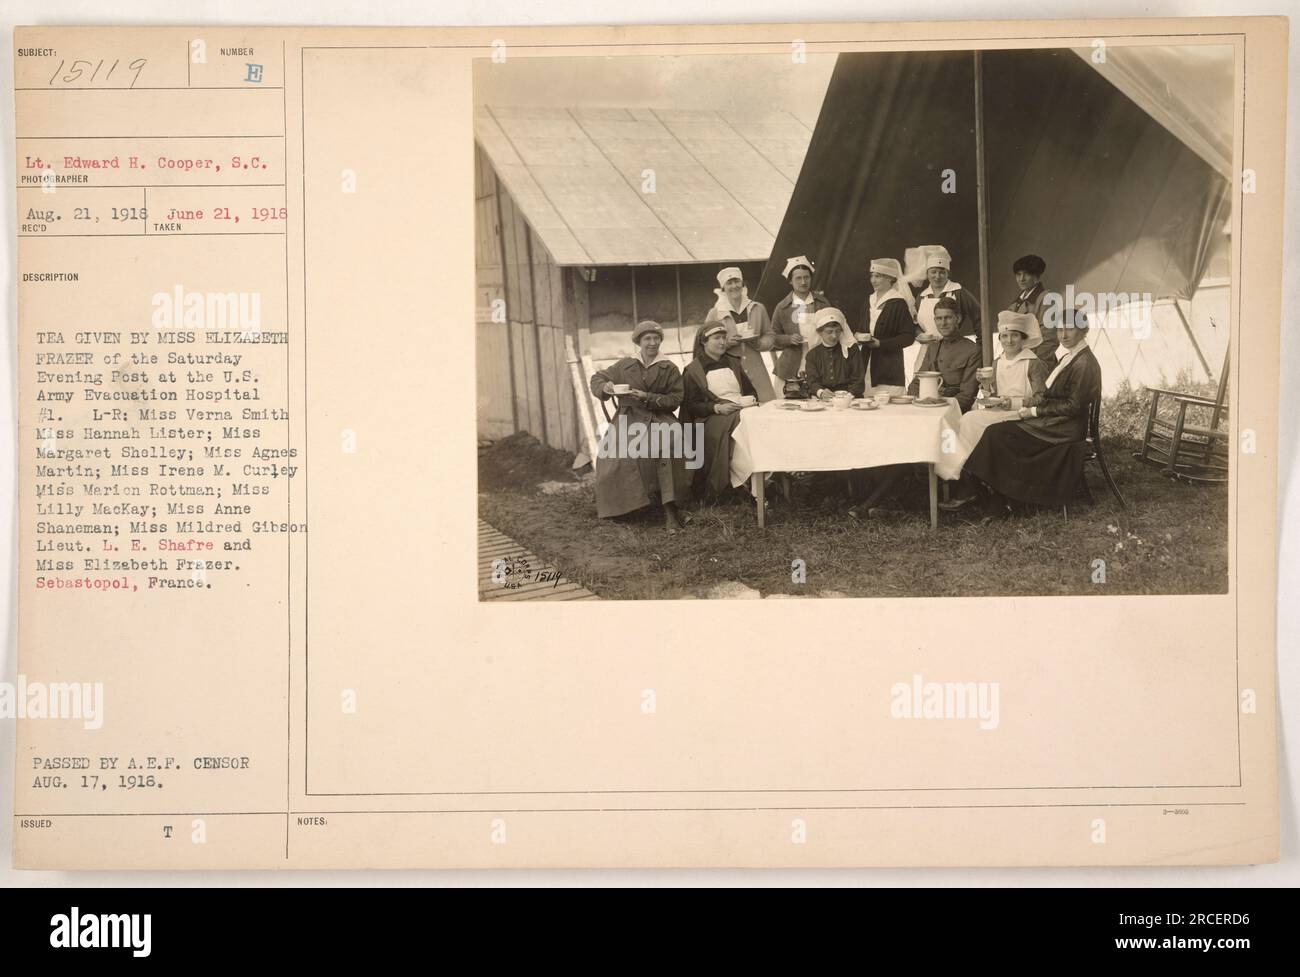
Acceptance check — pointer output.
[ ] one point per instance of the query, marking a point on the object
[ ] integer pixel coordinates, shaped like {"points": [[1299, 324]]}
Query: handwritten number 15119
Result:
{"points": [[81, 66]]}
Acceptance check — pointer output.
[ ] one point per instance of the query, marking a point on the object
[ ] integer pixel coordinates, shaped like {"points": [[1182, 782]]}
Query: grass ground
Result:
{"points": [[1171, 540]]}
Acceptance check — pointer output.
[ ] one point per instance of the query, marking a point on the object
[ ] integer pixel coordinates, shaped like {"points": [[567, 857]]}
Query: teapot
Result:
{"points": [[797, 388]]}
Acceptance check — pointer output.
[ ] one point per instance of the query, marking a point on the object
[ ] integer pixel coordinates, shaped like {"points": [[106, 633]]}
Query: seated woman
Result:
{"points": [[1019, 376], [714, 385], [836, 363], [1039, 459], [1018, 372], [623, 483]]}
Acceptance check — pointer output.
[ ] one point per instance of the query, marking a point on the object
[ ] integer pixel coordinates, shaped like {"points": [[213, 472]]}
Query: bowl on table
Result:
{"points": [[901, 399]]}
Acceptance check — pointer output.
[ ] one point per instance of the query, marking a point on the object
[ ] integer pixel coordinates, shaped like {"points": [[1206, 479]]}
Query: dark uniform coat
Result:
{"points": [[626, 484], [829, 369], [896, 331]]}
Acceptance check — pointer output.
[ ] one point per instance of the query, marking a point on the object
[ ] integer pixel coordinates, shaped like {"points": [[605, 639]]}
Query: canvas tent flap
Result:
{"points": [[1183, 88], [1077, 171]]}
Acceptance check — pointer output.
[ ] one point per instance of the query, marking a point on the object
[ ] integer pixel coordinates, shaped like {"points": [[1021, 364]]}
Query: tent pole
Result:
{"points": [[982, 212]]}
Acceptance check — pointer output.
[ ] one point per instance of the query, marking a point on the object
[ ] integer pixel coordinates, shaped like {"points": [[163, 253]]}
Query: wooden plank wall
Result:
{"points": [[492, 339], [561, 420], [523, 359]]}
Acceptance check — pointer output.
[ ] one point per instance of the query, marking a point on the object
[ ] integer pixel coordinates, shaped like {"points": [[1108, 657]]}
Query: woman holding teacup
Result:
{"points": [[1017, 379], [887, 324], [648, 390], [1038, 460], [715, 389], [1019, 375], [749, 330]]}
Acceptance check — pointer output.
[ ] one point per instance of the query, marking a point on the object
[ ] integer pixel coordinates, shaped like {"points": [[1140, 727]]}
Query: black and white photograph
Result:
{"points": [[905, 323]]}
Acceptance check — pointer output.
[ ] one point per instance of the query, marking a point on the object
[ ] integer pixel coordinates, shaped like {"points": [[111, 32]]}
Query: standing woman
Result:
{"points": [[938, 268], [1032, 298], [793, 317], [888, 324], [749, 331], [714, 385], [625, 484]]}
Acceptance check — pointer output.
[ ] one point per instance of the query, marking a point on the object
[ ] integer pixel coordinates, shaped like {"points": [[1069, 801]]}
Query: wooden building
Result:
{"points": [[589, 220]]}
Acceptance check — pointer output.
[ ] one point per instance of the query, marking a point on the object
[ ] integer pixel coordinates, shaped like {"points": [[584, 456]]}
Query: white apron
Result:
{"points": [[723, 385]]}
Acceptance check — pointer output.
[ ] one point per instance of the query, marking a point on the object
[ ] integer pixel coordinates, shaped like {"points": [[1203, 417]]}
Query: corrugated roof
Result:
{"points": [[721, 183]]}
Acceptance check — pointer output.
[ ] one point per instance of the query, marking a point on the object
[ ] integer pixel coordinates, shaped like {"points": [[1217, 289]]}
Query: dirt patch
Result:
{"points": [[521, 463]]}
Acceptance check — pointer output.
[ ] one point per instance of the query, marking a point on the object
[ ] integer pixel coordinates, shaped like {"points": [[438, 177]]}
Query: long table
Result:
{"points": [[772, 439]]}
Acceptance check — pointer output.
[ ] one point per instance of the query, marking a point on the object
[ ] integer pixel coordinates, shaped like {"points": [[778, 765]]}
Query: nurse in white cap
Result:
{"points": [[887, 325], [793, 333], [749, 331]]}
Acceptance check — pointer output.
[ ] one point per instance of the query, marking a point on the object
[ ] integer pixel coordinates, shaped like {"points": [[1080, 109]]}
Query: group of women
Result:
{"points": [[1048, 377]]}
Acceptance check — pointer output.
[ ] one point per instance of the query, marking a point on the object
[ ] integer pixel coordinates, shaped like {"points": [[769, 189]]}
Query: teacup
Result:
{"points": [[881, 399], [622, 388]]}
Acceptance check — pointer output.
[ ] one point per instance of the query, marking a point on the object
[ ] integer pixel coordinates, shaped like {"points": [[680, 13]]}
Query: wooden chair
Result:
{"points": [[1093, 452], [1189, 443]]}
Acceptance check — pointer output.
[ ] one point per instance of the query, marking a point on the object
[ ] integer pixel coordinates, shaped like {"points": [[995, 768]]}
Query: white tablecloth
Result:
{"points": [[770, 439]]}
